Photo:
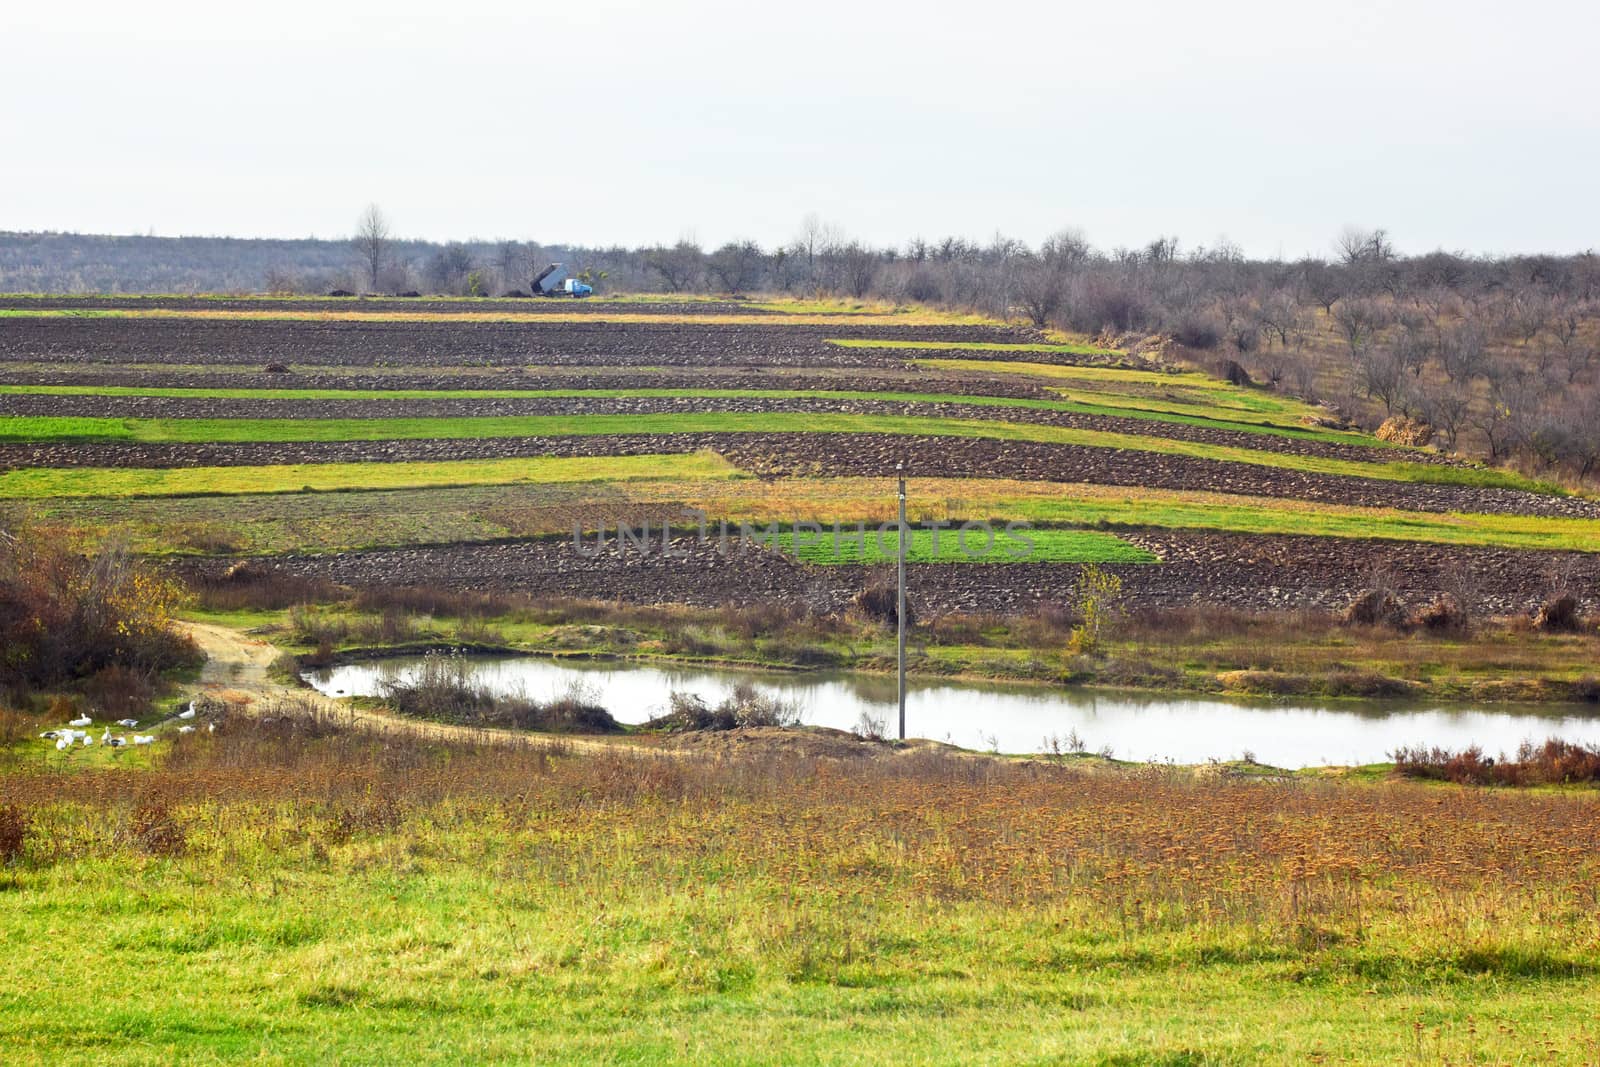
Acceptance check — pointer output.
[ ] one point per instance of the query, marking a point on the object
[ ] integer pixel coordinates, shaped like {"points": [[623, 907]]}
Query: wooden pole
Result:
{"points": [[900, 606]]}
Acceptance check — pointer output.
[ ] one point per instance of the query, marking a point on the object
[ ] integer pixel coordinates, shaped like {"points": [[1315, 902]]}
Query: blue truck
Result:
{"points": [[553, 281]]}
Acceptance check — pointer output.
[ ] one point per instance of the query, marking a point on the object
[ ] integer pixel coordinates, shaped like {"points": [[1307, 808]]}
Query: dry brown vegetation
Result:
{"points": [[100, 623], [1150, 847], [1554, 762]]}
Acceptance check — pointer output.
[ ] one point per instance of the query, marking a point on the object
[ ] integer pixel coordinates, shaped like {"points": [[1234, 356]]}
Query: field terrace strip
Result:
{"points": [[473, 398], [639, 305], [1248, 571], [394, 342], [785, 443], [505, 501], [1197, 407], [282, 404]]}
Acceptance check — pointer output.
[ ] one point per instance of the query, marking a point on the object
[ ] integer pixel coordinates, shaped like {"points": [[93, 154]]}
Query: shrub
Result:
{"points": [[443, 689], [156, 830], [689, 711], [745, 706], [1553, 762], [1559, 614], [15, 727], [393, 627], [14, 826], [65, 616], [870, 727], [751, 707], [1233, 372], [121, 692], [1097, 603], [1197, 331], [879, 599], [311, 627], [577, 710], [1377, 606], [1366, 684], [1443, 615], [246, 585]]}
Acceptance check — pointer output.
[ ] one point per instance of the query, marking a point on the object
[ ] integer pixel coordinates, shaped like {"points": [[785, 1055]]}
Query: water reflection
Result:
{"points": [[1013, 718]]}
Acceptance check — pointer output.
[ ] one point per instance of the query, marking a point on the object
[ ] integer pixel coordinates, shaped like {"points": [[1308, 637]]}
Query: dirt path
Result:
{"points": [[235, 672]]}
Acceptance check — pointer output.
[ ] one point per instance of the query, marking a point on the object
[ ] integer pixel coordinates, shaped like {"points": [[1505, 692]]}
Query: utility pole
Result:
{"points": [[900, 586]]}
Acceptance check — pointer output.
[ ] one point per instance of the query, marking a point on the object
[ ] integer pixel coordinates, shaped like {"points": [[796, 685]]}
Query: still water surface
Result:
{"points": [[1022, 719]]}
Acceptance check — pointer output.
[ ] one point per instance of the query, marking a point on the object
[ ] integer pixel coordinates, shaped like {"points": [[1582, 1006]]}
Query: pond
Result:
{"points": [[1023, 719]]}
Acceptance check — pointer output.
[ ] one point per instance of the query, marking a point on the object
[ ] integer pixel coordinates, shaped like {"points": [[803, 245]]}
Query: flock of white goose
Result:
{"points": [[73, 733]]}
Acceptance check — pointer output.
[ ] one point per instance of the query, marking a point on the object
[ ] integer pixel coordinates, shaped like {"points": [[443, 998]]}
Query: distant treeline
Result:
{"points": [[1157, 287]]}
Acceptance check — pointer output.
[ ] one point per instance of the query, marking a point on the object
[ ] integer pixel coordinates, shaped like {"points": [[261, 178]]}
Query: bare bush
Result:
{"points": [[744, 707]]}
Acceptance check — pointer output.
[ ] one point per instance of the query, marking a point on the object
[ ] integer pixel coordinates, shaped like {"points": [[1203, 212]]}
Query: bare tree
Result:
{"points": [[1044, 278], [1579, 359], [680, 266], [859, 266], [1368, 259], [513, 261], [1041, 288], [1527, 316], [281, 281], [1495, 417], [372, 241], [1359, 322], [1383, 374], [1566, 323], [1413, 344], [814, 243], [1302, 374], [737, 265], [1448, 409], [1279, 315], [1463, 351], [1240, 323], [448, 268], [1324, 284], [1581, 435], [1357, 246]]}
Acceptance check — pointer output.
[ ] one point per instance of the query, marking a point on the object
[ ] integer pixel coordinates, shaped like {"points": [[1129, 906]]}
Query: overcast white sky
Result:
{"points": [[1459, 124]]}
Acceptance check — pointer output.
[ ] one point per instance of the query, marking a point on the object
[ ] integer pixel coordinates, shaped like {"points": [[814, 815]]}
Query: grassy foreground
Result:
{"points": [[287, 893]]}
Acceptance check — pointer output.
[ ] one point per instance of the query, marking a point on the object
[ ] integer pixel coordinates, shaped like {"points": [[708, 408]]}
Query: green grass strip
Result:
{"points": [[1067, 349], [1259, 517], [850, 545], [39, 483], [1185, 388], [1074, 372]]}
